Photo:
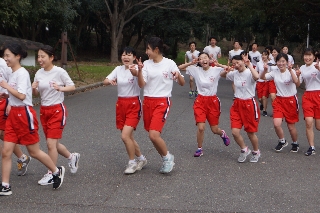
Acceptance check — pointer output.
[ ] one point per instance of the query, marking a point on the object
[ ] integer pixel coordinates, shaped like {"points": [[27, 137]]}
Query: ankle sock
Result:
{"points": [[132, 161], [283, 140], [295, 142], [23, 158], [5, 184], [69, 158], [56, 172], [313, 147], [141, 157], [245, 149]]}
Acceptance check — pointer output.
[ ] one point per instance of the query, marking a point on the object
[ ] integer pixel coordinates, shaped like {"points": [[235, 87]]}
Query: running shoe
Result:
{"points": [[74, 162], [225, 138], [23, 166], [58, 178], [47, 179], [196, 93], [141, 163], [264, 113], [243, 155], [198, 153], [190, 94], [131, 168], [255, 157], [295, 147], [310, 151], [280, 146], [167, 164], [5, 190]]}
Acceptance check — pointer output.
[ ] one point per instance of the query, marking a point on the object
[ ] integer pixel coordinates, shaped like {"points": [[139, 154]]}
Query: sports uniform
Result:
{"points": [[5, 72], [128, 106], [262, 85], [215, 51], [233, 53], [255, 57]]}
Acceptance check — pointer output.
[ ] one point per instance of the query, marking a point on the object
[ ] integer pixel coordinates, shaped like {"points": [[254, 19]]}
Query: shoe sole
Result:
{"points": [[162, 172], [286, 144], [63, 170], [5, 193], [26, 167], [294, 151], [309, 155], [77, 164], [45, 184], [196, 156], [129, 173]]}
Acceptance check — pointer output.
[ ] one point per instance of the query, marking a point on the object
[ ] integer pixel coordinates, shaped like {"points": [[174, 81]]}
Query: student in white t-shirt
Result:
{"points": [[189, 57], [310, 75], [272, 66], [255, 54], [207, 106], [156, 76], [285, 105], [285, 50], [213, 50], [22, 124], [23, 160], [50, 82], [269, 49], [244, 110], [237, 49], [128, 107]]}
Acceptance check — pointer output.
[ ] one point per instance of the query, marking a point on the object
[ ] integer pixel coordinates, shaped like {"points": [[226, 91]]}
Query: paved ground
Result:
{"points": [[216, 182]]}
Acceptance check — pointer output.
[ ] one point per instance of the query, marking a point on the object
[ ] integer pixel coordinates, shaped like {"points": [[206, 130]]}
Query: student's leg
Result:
{"points": [[158, 142], [272, 96], [277, 126], [216, 130], [191, 83], [126, 136], [265, 103], [7, 151], [309, 130], [254, 140], [238, 138], [317, 124], [200, 134], [35, 152], [62, 150], [293, 132]]}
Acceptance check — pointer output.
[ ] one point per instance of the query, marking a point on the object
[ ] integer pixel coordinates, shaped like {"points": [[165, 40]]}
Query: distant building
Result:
{"points": [[30, 46]]}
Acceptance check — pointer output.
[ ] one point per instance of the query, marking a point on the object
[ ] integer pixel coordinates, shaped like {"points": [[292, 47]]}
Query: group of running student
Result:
{"points": [[18, 119], [274, 72]]}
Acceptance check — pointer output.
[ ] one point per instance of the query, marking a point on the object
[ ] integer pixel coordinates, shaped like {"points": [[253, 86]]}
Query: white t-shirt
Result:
{"points": [[283, 81], [260, 70], [311, 77], [158, 77], [290, 59], [189, 55], [20, 81], [50, 96], [127, 83], [5, 72], [206, 81], [234, 52], [244, 84], [215, 51], [255, 57]]}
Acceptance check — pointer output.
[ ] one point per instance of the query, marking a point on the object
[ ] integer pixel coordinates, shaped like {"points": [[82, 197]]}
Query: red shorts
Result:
{"points": [[311, 104], [128, 112], [155, 112], [262, 89], [245, 113], [272, 87], [3, 114], [22, 126], [286, 107], [207, 108], [53, 120]]}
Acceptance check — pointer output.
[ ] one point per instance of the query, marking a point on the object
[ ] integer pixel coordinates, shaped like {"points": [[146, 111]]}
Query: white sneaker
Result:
{"points": [[74, 162], [46, 180], [141, 163], [131, 168]]}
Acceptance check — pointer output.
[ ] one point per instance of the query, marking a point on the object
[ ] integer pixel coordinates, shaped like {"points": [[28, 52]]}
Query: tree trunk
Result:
{"points": [[114, 44]]}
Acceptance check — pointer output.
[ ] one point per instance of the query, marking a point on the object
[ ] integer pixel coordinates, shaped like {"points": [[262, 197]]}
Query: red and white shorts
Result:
{"points": [[128, 112], [272, 87], [262, 89], [22, 126], [245, 113], [3, 114], [155, 112], [207, 108], [286, 107], [311, 104], [53, 119]]}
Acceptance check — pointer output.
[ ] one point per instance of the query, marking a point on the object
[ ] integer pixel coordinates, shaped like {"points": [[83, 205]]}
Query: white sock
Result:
{"points": [[141, 157], [245, 149], [313, 147], [5, 184], [258, 152], [166, 155], [49, 172], [23, 158], [69, 158], [295, 142], [282, 140], [132, 161], [56, 172]]}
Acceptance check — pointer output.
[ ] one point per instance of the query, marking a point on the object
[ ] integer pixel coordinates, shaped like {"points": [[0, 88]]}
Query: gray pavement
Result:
{"points": [[215, 182]]}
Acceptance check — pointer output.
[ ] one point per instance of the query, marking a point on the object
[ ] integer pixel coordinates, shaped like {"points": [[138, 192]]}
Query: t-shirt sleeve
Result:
{"points": [[22, 82], [205, 50], [191, 70], [230, 75], [113, 74], [65, 78]]}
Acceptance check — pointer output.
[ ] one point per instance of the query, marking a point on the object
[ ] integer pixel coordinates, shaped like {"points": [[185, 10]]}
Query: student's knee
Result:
{"points": [[235, 133], [153, 135]]}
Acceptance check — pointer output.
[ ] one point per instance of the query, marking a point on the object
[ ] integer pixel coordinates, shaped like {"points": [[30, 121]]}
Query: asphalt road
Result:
{"points": [[215, 182]]}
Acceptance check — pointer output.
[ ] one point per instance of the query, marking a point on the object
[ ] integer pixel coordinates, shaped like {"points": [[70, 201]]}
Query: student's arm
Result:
{"points": [[108, 81], [294, 77], [141, 81], [255, 74], [34, 86], [14, 92], [184, 66]]}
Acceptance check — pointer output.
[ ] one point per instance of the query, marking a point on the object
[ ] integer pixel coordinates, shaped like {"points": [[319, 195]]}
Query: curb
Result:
{"points": [[36, 101]]}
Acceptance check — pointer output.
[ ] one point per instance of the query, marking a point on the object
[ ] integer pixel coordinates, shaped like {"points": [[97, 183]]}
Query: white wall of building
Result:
{"points": [[30, 60]]}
